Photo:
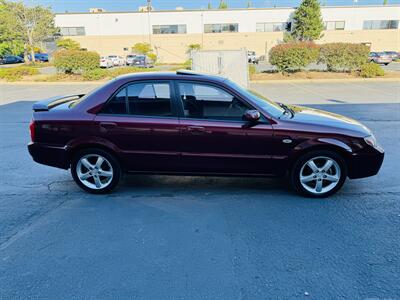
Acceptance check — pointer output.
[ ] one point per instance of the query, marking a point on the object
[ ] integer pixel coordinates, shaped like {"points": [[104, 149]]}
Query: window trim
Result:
{"points": [[174, 108], [372, 22], [76, 29], [160, 25], [221, 25], [335, 22], [263, 120]]}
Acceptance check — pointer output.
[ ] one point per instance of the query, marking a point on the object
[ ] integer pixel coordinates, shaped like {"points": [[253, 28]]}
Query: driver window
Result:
{"points": [[209, 102]]}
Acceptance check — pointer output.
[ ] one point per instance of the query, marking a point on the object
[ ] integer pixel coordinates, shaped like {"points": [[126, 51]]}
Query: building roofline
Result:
{"points": [[219, 10]]}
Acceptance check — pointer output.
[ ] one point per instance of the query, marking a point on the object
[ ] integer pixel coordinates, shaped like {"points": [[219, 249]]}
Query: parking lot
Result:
{"points": [[160, 237]]}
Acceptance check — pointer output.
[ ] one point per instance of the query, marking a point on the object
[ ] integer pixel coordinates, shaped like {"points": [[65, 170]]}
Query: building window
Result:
{"points": [[71, 31], [271, 27], [381, 24], [169, 29], [219, 28], [334, 25]]}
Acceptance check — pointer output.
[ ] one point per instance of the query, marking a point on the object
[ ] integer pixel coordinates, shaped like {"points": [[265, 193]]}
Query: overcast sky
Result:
{"points": [[132, 5]]}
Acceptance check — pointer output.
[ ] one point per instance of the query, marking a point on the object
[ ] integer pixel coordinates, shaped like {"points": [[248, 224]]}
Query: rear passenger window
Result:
{"points": [[146, 99], [149, 99]]}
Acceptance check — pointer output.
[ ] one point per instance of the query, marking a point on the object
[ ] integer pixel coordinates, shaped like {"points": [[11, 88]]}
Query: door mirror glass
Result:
{"points": [[251, 115]]}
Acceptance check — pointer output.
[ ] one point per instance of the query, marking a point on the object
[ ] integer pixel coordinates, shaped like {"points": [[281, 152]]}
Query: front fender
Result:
{"points": [[320, 144]]}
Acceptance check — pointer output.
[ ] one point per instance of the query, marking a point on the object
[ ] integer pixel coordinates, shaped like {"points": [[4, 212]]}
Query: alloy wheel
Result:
{"points": [[94, 171], [320, 175]]}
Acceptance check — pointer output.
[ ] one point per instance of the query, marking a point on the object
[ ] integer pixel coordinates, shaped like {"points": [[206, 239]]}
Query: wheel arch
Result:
{"points": [[327, 144], [79, 145]]}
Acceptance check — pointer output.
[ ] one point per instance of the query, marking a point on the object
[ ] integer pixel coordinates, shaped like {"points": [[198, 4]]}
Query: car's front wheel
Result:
{"points": [[96, 171], [319, 174]]}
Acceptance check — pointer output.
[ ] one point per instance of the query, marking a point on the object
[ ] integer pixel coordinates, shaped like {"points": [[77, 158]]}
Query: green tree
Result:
{"points": [[249, 5], [193, 47], [15, 47], [68, 44], [223, 5], [31, 25], [385, 2], [142, 48], [209, 6], [308, 24]]}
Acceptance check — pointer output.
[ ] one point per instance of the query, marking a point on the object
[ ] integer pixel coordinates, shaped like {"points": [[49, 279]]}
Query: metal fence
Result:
{"points": [[231, 64]]}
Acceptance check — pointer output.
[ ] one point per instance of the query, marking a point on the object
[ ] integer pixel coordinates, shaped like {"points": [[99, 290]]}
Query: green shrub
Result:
{"points": [[128, 70], [95, 74], [76, 61], [293, 56], [13, 74], [343, 56], [370, 70]]}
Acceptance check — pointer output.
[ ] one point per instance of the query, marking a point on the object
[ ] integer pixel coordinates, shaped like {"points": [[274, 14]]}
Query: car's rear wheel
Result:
{"points": [[96, 171], [319, 174]]}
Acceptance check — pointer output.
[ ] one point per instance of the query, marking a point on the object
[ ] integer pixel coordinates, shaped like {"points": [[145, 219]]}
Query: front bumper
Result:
{"points": [[49, 155], [366, 164]]}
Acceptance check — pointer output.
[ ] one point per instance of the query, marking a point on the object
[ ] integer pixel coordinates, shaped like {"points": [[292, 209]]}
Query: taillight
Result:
{"points": [[32, 130]]}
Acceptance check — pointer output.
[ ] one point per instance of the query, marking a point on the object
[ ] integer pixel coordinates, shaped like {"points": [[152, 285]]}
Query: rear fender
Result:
{"points": [[81, 143]]}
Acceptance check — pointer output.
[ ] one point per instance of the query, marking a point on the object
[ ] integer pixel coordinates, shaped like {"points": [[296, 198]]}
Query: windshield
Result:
{"points": [[271, 107]]}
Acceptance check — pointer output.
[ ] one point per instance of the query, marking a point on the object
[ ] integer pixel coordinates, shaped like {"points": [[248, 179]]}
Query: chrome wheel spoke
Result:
{"points": [[318, 186], [327, 165], [313, 166], [331, 178], [105, 173], [99, 162], [307, 178], [85, 176], [87, 164], [97, 181]]}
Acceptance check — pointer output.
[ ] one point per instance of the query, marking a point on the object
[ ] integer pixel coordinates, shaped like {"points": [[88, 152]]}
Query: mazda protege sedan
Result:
{"points": [[192, 124]]}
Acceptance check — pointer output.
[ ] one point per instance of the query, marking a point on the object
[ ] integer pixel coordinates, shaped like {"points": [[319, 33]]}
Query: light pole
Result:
{"points": [[148, 19]]}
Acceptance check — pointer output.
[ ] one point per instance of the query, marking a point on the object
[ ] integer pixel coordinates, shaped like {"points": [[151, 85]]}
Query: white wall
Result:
{"points": [[136, 23]]}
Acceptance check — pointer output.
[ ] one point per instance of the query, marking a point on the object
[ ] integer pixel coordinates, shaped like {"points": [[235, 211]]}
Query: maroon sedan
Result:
{"points": [[192, 124]]}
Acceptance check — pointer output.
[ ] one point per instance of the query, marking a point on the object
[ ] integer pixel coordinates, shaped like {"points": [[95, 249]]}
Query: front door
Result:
{"points": [[215, 139], [141, 121]]}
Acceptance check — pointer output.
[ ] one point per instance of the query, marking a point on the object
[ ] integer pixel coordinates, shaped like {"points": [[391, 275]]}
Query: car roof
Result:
{"points": [[180, 74]]}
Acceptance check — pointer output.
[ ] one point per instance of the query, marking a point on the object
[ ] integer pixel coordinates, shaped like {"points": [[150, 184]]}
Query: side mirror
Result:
{"points": [[251, 116]]}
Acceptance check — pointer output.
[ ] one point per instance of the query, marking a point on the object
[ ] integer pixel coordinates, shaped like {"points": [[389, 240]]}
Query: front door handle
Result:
{"points": [[196, 129], [108, 125]]}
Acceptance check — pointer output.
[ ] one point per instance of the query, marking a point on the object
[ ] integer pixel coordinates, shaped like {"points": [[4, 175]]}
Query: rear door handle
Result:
{"points": [[108, 125]]}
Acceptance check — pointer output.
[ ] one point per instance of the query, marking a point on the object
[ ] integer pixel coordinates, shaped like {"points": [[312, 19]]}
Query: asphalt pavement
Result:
{"points": [[159, 237]]}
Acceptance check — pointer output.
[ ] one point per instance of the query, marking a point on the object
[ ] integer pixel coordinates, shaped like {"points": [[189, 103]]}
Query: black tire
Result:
{"points": [[298, 165], [116, 170]]}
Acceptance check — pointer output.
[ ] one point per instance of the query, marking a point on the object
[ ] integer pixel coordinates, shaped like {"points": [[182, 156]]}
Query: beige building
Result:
{"points": [[170, 32]]}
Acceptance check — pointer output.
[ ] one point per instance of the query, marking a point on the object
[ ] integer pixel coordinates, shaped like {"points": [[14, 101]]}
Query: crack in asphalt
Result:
{"points": [[30, 222]]}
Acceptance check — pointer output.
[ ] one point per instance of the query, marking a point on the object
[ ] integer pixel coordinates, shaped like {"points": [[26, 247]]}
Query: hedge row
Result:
{"points": [[294, 56], [13, 74]]}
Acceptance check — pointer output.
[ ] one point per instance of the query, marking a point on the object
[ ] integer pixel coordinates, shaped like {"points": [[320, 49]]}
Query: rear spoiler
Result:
{"points": [[49, 103]]}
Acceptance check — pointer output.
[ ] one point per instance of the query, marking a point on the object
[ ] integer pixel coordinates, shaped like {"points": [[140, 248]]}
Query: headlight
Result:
{"points": [[371, 140]]}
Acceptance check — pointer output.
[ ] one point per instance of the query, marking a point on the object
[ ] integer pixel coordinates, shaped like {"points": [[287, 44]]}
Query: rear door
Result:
{"points": [[141, 121], [215, 139]]}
